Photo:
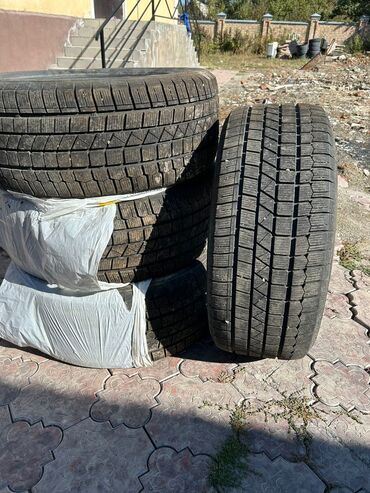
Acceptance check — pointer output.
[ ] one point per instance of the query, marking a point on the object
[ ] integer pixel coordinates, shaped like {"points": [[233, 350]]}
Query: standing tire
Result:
{"points": [[175, 310], [76, 134], [272, 230]]}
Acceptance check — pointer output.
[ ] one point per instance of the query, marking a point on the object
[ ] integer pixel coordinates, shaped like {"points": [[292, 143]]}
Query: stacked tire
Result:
{"points": [[79, 134]]}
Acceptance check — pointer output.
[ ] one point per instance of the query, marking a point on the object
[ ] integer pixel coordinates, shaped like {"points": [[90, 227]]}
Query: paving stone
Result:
{"points": [[252, 387], [216, 372], [126, 400], [334, 462], [264, 475], [193, 414], [340, 385], [361, 300], [293, 378], [361, 280], [24, 450], [343, 340], [171, 471], [272, 435], [15, 374], [337, 306], [353, 431], [59, 394], [339, 280], [261, 369], [8, 350], [160, 370], [95, 458]]}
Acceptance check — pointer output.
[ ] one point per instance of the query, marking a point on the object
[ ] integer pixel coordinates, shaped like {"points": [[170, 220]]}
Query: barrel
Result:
{"points": [[302, 50], [314, 47]]}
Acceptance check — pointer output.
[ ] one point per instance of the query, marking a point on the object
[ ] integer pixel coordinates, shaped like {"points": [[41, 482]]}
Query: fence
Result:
{"points": [[302, 31]]}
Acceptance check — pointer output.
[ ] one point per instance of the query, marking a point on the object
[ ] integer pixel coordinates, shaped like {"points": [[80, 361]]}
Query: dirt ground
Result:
{"points": [[342, 88]]}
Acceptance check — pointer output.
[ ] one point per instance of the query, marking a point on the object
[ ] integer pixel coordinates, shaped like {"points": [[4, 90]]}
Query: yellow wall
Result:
{"points": [[85, 8], [162, 12], [73, 8]]}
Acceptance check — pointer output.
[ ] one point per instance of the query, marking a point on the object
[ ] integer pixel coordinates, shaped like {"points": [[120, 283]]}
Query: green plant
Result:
{"points": [[350, 257], [230, 464], [357, 44]]}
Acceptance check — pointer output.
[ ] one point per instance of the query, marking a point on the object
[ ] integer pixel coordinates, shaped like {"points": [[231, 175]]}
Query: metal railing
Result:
{"points": [[154, 7]]}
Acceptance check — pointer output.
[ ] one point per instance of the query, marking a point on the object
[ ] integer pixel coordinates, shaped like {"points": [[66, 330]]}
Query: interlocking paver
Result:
{"points": [[217, 372], [293, 378], [353, 431], [24, 450], [361, 300], [339, 280], [337, 306], [160, 370], [361, 280], [342, 340], [340, 385], [171, 471], [334, 461], [252, 387], [127, 400], [94, 457], [8, 350], [15, 375], [263, 475], [272, 435], [193, 414], [59, 394]]}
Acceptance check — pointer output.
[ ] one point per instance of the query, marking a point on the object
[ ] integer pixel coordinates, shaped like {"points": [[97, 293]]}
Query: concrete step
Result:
{"points": [[119, 27], [82, 42], [71, 62], [94, 51], [96, 23]]}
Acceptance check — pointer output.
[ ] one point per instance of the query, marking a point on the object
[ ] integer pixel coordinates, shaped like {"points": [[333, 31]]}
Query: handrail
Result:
{"points": [[101, 28], [100, 32]]}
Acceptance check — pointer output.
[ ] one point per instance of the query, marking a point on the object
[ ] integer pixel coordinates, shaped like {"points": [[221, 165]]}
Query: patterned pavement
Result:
{"points": [[306, 423]]}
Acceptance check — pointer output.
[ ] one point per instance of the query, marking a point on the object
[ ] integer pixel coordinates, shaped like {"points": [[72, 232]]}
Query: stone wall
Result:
{"points": [[281, 30]]}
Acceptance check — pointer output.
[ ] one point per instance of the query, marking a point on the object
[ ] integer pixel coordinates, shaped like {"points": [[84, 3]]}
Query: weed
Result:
{"points": [[230, 464], [350, 257]]}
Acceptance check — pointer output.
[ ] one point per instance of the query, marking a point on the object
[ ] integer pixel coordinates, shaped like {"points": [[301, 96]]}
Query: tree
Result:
{"points": [[351, 9], [300, 10]]}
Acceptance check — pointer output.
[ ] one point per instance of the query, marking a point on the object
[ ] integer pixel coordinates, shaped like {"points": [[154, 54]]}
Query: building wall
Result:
{"points": [[85, 8], [31, 41], [143, 11], [73, 8]]}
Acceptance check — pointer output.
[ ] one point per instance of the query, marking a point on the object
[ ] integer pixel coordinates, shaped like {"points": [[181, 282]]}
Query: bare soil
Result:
{"points": [[342, 88]]}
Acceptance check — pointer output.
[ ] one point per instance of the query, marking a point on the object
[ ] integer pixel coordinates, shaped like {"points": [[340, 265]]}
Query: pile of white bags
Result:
{"points": [[51, 298]]}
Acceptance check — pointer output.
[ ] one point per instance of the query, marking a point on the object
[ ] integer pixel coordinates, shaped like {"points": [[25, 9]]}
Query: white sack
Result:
{"points": [[69, 315], [60, 240], [95, 330]]}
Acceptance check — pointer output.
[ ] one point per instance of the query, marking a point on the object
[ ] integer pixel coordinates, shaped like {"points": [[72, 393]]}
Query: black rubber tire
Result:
{"points": [[272, 230], [161, 136], [158, 235], [175, 310], [58, 92]]}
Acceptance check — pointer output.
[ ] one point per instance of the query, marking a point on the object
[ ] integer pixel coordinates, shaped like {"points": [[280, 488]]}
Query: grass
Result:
{"points": [[241, 62], [230, 464], [350, 258]]}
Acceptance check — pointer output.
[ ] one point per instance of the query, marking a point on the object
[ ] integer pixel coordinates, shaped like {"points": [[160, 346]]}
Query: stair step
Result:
{"points": [[70, 62], [118, 29], [82, 41], [96, 23], [94, 51]]}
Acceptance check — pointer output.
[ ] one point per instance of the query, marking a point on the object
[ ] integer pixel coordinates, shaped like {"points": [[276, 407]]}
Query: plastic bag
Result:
{"points": [[51, 298]]}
